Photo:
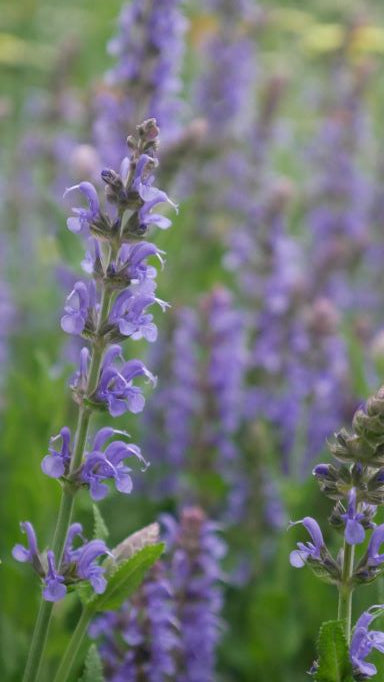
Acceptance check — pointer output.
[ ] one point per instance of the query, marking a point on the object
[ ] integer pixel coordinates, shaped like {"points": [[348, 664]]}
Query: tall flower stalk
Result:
{"points": [[106, 310]]}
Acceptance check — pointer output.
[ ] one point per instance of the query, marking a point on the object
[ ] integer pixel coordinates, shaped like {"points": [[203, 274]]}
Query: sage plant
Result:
{"points": [[107, 309], [356, 483]]}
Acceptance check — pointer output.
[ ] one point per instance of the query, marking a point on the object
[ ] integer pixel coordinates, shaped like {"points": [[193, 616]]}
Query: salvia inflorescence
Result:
{"points": [[355, 482], [105, 310]]}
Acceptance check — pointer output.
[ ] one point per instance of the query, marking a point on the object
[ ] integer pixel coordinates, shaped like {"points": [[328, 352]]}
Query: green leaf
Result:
{"points": [[126, 579], [100, 530], [334, 664], [93, 671]]}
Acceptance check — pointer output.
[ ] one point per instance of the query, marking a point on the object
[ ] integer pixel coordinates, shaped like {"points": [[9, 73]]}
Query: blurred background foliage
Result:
{"points": [[273, 623]]}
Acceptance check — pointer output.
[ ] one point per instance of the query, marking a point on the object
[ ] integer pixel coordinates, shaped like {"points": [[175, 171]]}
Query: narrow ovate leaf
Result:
{"points": [[100, 530], [126, 579], [333, 656], [93, 670]]}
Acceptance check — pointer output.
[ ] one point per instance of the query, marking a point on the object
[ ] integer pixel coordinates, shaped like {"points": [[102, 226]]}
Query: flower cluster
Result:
{"points": [[356, 484], [78, 563], [171, 627], [111, 307], [100, 463]]}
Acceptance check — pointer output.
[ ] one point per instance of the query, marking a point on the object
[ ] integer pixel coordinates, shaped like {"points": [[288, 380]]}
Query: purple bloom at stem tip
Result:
{"points": [[307, 550]]}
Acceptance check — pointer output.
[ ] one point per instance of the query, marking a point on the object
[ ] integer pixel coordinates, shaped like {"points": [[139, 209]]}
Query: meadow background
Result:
{"points": [[316, 74]]}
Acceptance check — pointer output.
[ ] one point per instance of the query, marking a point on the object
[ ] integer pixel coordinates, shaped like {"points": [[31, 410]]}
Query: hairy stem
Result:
{"points": [[40, 634], [345, 589]]}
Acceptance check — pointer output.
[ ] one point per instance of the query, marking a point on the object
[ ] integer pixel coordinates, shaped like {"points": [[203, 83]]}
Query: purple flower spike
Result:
{"points": [[84, 217], [307, 550], [88, 569], [57, 462], [21, 553], [54, 588], [78, 304], [354, 531], [363, 641]]}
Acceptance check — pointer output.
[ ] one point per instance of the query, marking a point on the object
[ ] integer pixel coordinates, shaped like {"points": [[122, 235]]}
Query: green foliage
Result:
{"points": [[93, 669], [100, 530], [126, 579], [334, 664]]}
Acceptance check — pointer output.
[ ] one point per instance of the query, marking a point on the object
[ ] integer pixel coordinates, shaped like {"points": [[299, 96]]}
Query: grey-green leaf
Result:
{"points": [[126, 579], [93, 670], [333, 657]]}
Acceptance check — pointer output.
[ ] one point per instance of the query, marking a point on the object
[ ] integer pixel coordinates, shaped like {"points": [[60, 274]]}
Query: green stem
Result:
{"points": [[32, 668], [40, 634], [346, 589], [69, 660]]}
